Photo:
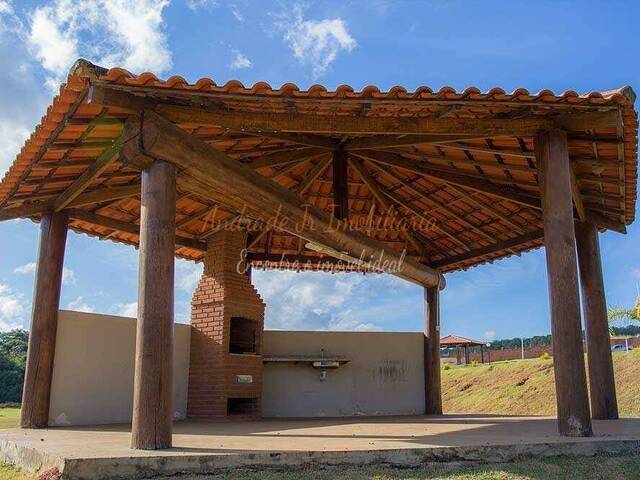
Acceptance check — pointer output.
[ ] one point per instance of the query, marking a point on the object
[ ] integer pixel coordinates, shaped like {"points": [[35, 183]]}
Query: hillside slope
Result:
{"points": [[526, 387]]}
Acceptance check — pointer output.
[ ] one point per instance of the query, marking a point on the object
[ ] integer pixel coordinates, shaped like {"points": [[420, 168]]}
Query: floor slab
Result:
{"points": [[102, 452]]}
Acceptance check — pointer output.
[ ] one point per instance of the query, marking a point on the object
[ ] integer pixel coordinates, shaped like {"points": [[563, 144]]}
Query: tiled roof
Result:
{"points": [[74, 132], [452, 340]]}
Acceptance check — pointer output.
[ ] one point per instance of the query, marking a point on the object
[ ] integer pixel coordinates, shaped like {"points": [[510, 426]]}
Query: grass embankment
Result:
{"points": [[526, 387], [9, 417]]}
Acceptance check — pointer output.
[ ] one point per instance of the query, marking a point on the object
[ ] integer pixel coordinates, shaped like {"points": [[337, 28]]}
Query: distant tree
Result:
{"points": [[13, 358], [630, 314], [616, 314]]}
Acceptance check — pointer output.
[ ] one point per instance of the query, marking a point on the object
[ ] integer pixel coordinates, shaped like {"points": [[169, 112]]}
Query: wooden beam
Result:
{"points": [[340, 183], [105, 194], [220, 178], [481, 252], [432, 380], [88, 198], [603, 221], [44, 321], [302, 139], [129, 227], [376, 190], [103, 162], [312, 175], [587, 120], [152, 423], [577, 199], [492, 151], [552, 156], [315, 123], [387, 141], [427, 170], [604, 404], [284, 158]]}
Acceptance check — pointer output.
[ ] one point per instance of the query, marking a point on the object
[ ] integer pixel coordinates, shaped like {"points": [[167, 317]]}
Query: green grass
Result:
{"points": [[9, 418], [561, 468], [9, 473], [526, 387]]}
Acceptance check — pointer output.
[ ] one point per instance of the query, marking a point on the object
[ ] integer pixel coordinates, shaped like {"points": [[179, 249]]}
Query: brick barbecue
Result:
{"points": [[227, 318]]}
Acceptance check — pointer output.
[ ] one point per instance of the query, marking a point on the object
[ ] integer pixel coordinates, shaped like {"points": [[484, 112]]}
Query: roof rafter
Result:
{"points": [[376, 190]]}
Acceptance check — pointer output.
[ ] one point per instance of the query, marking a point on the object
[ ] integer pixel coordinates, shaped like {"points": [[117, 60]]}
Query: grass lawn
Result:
{"points": [[526, 387], [9, 473], [9, 417], [568, 468], [559, 468]]}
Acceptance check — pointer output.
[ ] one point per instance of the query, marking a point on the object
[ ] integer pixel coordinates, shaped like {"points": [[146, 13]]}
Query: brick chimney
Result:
{"points": [[227, 322]]}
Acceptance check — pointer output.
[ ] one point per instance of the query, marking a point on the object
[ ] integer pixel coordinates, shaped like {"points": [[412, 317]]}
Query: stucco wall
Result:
{"points": [[93, 369], [384, 377], [93, 372]]}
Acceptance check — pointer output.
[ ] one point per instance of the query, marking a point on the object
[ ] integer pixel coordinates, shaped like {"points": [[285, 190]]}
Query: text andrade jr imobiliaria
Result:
{"points": [[366, 262]]}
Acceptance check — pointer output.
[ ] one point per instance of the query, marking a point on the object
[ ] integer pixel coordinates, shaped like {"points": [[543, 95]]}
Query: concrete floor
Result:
{"points": [[89, 452]]}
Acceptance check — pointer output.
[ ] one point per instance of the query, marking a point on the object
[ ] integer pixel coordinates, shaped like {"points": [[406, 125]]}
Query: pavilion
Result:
{"points": [[467, 178], [457, 342]]}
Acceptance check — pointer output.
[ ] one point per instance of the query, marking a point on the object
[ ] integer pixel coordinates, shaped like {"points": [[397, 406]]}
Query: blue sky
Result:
{"points": [[510, 44]]}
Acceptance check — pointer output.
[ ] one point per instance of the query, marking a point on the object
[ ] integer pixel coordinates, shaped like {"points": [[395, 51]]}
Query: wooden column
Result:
{"points": [[44, 321], [432, 384], [604, 405], [153, 382], [562, 270], [340, 185]]}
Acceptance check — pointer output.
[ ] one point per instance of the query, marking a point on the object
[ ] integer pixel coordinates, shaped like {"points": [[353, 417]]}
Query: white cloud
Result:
{"points": [[13, 136], [490, 335], [12, 308], [196, 4], [314, 42], [126, 309], [240, 61], [317, 301], [79, 305], [127, 33], [27, 268], [187, 275], [6, 7], [68, 276]]}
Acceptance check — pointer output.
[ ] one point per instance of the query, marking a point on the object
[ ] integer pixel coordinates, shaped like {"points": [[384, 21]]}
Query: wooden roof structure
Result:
{"points": [[456, 169]]}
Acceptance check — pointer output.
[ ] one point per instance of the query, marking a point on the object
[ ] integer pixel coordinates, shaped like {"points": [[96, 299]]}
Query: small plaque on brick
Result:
{"points": [[244, 378]]}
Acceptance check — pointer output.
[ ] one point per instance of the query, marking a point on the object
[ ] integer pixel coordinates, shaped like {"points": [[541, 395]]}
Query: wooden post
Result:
{"points": [[482, 353], [340, 185], [153, 381], [466, 355], [604, 405], [432, 386], [44, 321], [559, 235]]}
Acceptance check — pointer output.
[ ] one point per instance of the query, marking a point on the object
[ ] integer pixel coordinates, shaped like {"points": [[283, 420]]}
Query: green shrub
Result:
{"points": [[474, 363], [446, 366], [545, 356]]}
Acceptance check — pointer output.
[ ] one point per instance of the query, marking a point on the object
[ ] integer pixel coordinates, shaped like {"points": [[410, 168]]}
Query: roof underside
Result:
{"points": [[449, 225]]}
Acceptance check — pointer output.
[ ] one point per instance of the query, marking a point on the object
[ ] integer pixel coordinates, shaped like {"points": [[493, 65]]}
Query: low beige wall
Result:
{"points": [[94, 364], [385, 375], [93, 369]]}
